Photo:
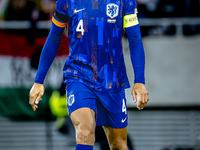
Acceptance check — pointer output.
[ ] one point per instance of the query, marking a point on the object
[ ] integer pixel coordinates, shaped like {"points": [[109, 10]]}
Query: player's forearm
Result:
{"points": [[137, 53], [49, 52]]}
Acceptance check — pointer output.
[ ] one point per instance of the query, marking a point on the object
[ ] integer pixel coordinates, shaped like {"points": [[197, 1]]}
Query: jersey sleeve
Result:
{"points": [[130, 22], [50, 49], [129, 13], [60, 17]]}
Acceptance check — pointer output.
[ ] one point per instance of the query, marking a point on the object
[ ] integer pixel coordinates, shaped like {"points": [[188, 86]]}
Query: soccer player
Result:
{"points": [[94, 71]]}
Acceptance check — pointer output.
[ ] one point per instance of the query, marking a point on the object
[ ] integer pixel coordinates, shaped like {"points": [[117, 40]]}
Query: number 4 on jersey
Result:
{"points": [[79, 27]]}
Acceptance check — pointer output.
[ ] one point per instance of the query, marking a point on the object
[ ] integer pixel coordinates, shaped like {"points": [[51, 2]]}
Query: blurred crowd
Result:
{"points": [[168, 8], [26, 42], [38, 10], [32, 10], [43, 9]]}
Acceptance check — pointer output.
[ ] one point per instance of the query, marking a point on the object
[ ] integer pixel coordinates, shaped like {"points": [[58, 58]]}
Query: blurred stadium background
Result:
{"points": [[171, 37]]}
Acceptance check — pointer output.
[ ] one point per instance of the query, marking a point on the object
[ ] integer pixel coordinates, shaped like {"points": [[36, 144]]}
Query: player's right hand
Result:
{"points": [[35, 95]]}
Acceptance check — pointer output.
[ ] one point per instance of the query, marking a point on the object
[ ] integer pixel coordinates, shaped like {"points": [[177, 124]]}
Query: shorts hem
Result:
{"points": [[79, 108]]}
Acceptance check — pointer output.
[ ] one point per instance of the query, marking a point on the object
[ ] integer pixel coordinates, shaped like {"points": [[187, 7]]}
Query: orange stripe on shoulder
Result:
{"points": [[59, 24]]}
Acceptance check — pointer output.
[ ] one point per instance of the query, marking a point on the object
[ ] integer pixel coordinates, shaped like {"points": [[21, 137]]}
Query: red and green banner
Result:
{"points": [[17, 74]]}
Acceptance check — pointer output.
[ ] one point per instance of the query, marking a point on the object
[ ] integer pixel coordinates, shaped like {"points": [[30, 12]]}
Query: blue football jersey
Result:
{"points": [[95, 40]]}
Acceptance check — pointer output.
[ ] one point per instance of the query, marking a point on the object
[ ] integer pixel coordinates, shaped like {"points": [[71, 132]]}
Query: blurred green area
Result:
{"points": [[14, 103]]}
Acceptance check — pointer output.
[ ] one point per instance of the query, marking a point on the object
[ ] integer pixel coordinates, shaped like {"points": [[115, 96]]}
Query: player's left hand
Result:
{"points": [[140, 90]]}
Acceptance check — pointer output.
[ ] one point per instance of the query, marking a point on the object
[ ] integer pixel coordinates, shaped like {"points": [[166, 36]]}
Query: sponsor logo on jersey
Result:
{"points": [[70, 100], [75, 11], [112, 10]]}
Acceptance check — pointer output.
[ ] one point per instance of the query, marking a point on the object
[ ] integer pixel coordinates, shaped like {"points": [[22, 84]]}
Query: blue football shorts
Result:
{"points": [[110, 107]]}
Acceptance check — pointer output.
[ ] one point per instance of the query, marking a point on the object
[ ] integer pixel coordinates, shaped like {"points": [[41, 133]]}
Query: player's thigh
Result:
{"points": [[81, 104], [83, 119], [84, 124], [117, 137]]}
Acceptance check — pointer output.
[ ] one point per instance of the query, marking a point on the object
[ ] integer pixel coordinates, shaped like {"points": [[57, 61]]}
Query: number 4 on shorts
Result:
{"points": [[124, 107]]}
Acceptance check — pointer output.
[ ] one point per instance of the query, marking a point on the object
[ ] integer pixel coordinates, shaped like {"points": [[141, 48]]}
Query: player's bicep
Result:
{"points": [[130, 20], [60, 20], [60, 17], [130, 13]]}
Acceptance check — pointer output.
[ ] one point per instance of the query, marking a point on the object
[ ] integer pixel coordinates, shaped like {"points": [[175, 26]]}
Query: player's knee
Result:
{"points": [[85, 134], [119, 147], [85, 137], [119, 144]]}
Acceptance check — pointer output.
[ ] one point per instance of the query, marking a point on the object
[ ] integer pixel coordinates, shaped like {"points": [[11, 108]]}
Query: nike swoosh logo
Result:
{"points": [[75, 11], [123, 120]]}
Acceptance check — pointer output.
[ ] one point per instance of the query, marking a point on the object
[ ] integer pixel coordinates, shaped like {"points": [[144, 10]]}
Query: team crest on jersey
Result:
{"points": [[112, 10], [70, 100]]}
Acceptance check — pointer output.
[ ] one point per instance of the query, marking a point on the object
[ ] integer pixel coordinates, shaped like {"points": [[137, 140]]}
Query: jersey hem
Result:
{"points": [[68, 80]]}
